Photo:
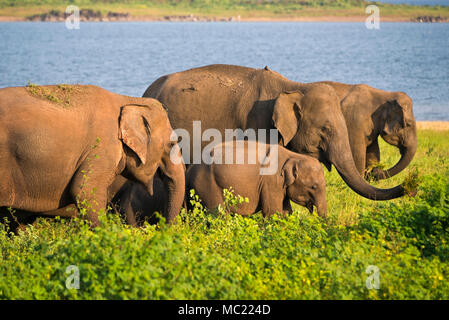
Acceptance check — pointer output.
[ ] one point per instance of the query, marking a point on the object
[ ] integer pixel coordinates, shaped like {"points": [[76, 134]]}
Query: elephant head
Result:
{"points": [[398, 128], [310, 122], [305, 184], [149, 144]]}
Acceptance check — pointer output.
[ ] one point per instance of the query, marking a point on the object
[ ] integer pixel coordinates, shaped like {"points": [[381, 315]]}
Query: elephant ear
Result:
{"points": [[286, 111], [394, 117], [290, 171], [134, 130]]}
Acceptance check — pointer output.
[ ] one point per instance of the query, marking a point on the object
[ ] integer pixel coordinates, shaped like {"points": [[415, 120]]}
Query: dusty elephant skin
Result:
{"points": [[307, 116], [370, 113], [56, 156], [298, 178]]}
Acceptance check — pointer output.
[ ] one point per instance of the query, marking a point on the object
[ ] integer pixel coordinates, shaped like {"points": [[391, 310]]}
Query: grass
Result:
{"points": [[246, 9], [59, 94], [218, 255]]}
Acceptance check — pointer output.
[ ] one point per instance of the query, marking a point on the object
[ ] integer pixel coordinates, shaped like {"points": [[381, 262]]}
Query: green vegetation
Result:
{"points": [[247, 9], [59, 94], [218, 255]]}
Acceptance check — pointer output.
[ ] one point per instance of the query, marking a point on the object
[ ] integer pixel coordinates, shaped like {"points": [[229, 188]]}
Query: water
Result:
{"points": [[127, 57]]}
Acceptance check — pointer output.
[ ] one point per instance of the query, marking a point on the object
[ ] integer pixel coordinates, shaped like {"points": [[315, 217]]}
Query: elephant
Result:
{"points": [[63, 147], [128, 198], [370, 113], [308, 117], [137, 206], [295, 177]]}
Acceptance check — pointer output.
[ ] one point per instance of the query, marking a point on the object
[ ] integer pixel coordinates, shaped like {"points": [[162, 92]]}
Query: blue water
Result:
{"points": [[127, 57]]}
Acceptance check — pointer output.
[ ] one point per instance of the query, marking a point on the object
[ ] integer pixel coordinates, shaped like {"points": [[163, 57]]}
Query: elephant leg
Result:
{"points": [[373, 157], [70, 211], [28, 218], [90, 193], [127, 208], [271, 202], [372, 154], [287, 206], [93, 204]]}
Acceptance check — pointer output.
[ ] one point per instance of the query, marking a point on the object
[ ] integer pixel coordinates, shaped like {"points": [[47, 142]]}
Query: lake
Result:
{"points": [[127, 57]]}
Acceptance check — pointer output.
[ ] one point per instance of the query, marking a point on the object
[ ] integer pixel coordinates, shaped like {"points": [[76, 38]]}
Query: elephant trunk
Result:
{"points": [[407, 153], [150, 188], [175, 184], [321, 208], [341, 157]]}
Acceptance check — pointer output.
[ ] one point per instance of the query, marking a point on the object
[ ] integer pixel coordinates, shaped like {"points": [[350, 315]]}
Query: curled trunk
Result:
{"points": [[407, 153], [347, 170], [341, 157]]}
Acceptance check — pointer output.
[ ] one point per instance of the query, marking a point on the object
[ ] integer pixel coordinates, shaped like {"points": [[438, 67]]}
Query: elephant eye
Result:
{"points": [[314, 187], [326, 127]]}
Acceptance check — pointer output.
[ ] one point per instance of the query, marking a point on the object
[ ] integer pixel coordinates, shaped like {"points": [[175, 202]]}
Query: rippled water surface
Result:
{"points": [[127, 57]]}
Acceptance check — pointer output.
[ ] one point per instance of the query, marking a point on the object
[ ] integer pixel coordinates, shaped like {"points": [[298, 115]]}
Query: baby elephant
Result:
{"points": [[270, 176]]}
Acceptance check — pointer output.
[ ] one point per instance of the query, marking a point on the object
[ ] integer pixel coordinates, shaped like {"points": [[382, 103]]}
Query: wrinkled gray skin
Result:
{"points": [[370, 113], [295, 177], [307, 116], [47, 151]]}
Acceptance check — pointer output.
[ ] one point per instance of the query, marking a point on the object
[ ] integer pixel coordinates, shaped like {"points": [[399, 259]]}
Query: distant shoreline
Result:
{"points": [[226, 11], [105, 11], [329, 19], [433, 125], [124, 14]]}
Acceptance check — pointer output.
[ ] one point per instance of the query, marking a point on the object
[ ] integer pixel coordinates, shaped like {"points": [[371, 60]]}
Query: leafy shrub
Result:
{"points": [[220, 255], [423, 222]]}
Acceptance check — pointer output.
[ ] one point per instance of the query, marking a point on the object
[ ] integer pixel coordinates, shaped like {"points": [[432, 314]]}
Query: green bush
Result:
{"points": [[424, 223], [221, 255]]}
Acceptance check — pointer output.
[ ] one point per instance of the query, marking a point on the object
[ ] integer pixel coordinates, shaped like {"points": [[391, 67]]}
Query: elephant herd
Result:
{"points": [[66, 149]]}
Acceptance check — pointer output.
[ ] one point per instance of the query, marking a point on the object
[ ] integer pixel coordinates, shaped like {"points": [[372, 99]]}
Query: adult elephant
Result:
{"points": [[370, 113], [64, 146], [307, 116]]}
